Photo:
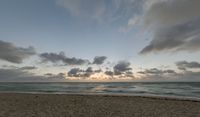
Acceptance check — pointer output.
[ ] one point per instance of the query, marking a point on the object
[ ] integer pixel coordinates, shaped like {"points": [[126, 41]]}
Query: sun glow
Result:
{"points": [[99, 76]]}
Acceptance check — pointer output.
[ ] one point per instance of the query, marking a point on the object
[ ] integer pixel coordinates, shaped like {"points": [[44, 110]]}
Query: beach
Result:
{"points": [[77, 105]]}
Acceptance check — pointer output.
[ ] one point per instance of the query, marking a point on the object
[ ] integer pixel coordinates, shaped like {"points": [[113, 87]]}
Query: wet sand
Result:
{"points": [[71, 105]]}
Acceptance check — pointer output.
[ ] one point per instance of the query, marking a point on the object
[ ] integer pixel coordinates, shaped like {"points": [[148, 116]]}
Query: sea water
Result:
{"points": [[168, 89]]}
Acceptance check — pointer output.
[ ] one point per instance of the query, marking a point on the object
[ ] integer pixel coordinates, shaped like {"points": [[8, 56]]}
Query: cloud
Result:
{"points": [[155, 74], [155, 71], [121, 70], [132, 22], [129, 74], [20, 75], [99, 60], [189, 76], [20, 68], [121, 67], [91, 8], [176, 77], [55, 58], [55, 76], [169, 71], [89, 69], [175, 26], [101, 10], [183, 65], [11, 53], [88, 72], [192, 76], [77, 72], [28, 68], [74, 72], [109, 73]]}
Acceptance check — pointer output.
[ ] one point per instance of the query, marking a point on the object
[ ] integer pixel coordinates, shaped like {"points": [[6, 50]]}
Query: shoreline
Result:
{"points": [[159, 97], [79, 105]]}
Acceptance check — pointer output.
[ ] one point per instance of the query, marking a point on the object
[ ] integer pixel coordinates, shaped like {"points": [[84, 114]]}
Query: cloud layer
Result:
{"points": [[183, 65], [23, 74], [190, 71], [11, 53], [55, 58], [155, 71], [103, 10], [175, 25]]}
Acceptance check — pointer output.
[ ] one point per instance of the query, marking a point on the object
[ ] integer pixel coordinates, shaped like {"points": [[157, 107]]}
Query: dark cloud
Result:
{"points": [[169, 71], [99, 60], [98, 71], [55, 58], [89, 69], [11, 53], [121, 67], [88, 72], [141, 72], [75, 72], [129, 74], [109, 73], [175, 25], [155, 71], [183, 65], [28, 68], [122, 70]]}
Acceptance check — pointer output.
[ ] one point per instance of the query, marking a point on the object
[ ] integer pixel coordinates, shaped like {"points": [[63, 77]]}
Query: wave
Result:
{"points": [[190, 90]]}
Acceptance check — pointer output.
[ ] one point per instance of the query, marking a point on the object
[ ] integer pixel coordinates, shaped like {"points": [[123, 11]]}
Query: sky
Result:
{"points": [[99, 40]]}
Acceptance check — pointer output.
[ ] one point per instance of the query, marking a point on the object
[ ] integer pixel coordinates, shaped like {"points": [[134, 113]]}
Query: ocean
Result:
{"points": [[164, 89]]}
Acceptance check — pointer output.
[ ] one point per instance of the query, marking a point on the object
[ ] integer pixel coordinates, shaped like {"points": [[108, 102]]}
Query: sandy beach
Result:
{"points": [[68, 105]]}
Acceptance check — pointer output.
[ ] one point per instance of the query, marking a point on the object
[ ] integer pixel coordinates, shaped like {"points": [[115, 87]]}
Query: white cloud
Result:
{"points": [[134, 21]]}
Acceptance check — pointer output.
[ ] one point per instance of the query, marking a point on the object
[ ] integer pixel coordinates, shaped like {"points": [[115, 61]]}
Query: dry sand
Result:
{"points": [[67, 105]]}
